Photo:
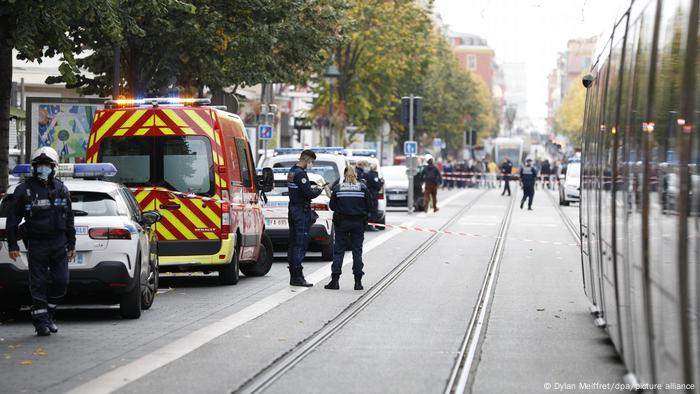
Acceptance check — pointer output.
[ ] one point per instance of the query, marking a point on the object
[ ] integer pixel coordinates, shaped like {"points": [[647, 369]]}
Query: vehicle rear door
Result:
{"points": [[252, 211]]}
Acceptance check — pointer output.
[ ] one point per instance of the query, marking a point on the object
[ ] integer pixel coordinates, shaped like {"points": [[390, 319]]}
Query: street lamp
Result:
{"points": [[331, 75]]}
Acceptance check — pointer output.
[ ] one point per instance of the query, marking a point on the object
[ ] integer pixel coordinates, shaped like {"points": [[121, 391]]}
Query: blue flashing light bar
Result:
{"points": [[333, 150], [92, 170], [361, 152]]}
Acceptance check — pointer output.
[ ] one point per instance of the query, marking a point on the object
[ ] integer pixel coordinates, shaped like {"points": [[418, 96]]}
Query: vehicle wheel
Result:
{"points": [[264, 263], [228, 274], [130, 304], [149, 288], [327, 250], [383, 221]]}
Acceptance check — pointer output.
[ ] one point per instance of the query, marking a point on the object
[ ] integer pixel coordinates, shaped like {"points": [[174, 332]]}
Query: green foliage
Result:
{"points": [[568, 120]]}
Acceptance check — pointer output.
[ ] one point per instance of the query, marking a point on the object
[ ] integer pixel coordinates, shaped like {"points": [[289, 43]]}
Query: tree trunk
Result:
{"points": [[5, 87]]}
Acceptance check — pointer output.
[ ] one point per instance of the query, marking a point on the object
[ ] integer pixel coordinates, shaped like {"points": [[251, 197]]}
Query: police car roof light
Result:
{"points": [[334, 150], [361, 152], [90, 170]]}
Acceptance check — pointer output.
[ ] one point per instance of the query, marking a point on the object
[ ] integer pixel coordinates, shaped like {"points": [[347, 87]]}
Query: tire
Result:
{"points": [[130, 303], [150, 285], [264, 263], [327, 250], [383, 221], [565, 203], [228, 274]]}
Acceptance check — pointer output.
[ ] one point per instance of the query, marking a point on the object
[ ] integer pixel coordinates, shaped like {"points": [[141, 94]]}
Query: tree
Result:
{"points": [[568, 119], [45, 28]]}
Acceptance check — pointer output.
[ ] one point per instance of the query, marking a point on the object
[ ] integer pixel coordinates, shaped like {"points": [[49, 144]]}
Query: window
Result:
{"points": [[131, 156], [93, 204], [187, 165], [133, 205], [471, 62], [246, 179], [330, 173]]}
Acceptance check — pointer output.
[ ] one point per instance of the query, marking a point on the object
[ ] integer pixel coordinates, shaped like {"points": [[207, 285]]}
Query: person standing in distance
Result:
{"points": [[351, 203], [432, 179], [506, 170], [528, 177], [48, 234], [300, 215], [374, 185]]}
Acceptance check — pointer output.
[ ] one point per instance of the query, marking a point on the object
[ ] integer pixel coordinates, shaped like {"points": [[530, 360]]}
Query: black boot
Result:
{"points": [[358, 282], [333, 284], [42, 331], [52, 326], [40, 318], [297, 279]]}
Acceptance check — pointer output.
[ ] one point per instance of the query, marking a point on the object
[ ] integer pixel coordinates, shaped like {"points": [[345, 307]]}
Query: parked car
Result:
{"points": [[116, 258], [381, 197], [395, 185], [570, 184]]}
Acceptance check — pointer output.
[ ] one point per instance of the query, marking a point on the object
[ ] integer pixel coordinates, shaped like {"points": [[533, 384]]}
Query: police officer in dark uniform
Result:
{"points": [[300, 215], [528, 177], [48, 233], [506, 170], [374, 185], [351, 203]]}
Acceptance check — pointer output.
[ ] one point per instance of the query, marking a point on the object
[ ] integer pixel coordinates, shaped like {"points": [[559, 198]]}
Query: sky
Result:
{"points": [[531, 32]]}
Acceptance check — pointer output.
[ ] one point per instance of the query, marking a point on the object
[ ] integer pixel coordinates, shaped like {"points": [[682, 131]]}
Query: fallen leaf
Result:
{"points": [[540, 309], [40, 352], [557, 316], [26, 362]]}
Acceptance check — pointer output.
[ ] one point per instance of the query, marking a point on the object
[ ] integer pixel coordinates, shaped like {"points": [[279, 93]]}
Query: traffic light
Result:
{"points": [[417, 110]]}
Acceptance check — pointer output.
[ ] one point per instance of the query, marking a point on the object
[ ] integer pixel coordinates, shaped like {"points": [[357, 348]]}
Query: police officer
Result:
{"points": [[300, 215], [48, 233], [506, 170], [528, 177], [351, 203], [374, 185], [360, 171]]}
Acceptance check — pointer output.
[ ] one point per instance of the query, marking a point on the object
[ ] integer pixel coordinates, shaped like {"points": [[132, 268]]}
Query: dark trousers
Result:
{"points": [[48, 275], [348, 230], [300, 222], [430, 193], [506, 188], [528, 194]]}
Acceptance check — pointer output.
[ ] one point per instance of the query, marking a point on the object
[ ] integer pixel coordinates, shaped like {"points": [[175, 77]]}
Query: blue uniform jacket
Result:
{"points": [[350, 200], [300, 191], [528, 175]]}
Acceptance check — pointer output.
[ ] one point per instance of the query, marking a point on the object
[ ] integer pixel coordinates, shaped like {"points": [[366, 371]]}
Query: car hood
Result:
{"points": [[395, 183]]}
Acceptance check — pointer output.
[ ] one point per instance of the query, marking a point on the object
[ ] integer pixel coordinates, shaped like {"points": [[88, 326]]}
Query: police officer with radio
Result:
{"points": [[48, 234], [351, 203], [528, 178], [300, 215]]}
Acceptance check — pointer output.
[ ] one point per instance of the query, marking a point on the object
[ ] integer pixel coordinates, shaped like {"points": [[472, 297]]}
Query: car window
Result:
{"points": [[93, 204], [330, 172], [134, 208], [244, 162]]}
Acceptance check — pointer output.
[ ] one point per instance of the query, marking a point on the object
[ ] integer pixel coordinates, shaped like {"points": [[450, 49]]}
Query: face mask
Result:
{"points": [[43, 172]]}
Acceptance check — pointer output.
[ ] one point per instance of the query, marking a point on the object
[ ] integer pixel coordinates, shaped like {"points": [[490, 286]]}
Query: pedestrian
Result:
{"points": [[528, 178], [374, 185], [351, 203], [506, 170], [432, 179], [493, 174], [360, 171], [545, 174], [48, 233], [449, 176], [300, 215]]}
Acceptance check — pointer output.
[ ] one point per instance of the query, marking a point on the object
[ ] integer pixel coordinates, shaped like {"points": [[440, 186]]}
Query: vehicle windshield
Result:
{"points": [[573, 170], [93, 204], [179, 163], [327, 169], [394, 172]]}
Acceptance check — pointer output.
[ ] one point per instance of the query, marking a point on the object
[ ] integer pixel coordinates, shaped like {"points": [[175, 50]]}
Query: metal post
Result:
{"points": [[411, 165], [330, 111]]}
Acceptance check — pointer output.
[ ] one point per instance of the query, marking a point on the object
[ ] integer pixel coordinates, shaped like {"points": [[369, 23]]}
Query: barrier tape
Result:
{"points": [[463, 234]]}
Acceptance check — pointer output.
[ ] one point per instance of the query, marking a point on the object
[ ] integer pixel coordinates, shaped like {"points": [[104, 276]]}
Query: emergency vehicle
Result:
{"points": [[193, 164]]}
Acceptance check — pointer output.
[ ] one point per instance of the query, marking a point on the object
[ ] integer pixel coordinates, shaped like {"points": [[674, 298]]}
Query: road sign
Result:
{"points": [[265, 132], [410, 148], [437, 142]]}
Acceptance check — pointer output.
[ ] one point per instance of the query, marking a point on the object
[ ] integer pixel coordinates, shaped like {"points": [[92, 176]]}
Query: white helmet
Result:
{"points": [[427, 157], [43, 153]]}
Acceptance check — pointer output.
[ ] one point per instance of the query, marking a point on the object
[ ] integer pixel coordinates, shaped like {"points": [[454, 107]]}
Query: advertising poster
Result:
{"points": [[63, 124]]}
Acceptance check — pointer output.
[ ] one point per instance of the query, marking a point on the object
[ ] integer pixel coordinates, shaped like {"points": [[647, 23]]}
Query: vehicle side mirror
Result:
{"points": [[149, 218], [266, 182]]}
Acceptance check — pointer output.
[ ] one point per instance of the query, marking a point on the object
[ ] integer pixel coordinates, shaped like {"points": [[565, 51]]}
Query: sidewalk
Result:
{"points": [[540, 336]]}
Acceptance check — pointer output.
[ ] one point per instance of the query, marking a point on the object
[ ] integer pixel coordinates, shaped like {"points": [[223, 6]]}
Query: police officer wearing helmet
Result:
{"points": [[300, 215], [528, 177], [48, 233], [350, 203]]}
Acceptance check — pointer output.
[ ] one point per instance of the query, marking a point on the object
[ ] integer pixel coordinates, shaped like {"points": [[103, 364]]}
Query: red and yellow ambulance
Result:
{"points": [[193, 164]]}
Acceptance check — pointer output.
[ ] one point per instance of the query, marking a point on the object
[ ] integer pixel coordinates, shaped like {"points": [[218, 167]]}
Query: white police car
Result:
{"points": [[322, 232], [332, 160], [116, 258]]}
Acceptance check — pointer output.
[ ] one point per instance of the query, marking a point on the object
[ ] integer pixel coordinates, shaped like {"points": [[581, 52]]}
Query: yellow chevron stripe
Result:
{"points": [[175, 117], [167, 131], [92, 139], [190, 215], [201, 123], [141, 131], [133, 118], [120, 132], [213, 217], [108, 124], [211, 235], [188, 131], [177, 224], [164, 233]]}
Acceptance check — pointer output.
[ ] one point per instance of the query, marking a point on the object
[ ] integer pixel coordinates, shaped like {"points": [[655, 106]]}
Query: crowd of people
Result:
{"points": [[487, 174]]}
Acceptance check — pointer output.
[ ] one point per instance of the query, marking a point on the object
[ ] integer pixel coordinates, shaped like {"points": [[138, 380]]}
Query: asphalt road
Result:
{"points": [[203, 337]]}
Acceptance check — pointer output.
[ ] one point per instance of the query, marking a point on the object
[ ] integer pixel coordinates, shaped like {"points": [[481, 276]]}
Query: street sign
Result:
{"points": [[410, 148], [437, 142], [265, 132], [302, 124]]}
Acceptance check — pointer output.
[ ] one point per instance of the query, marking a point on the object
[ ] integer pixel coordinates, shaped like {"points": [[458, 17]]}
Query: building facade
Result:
{"points": [[474, 54]]}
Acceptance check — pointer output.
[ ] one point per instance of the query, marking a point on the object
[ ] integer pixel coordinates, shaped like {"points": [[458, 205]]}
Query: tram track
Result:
{"points": [[275, 370], [461, 376], [573, 229]]}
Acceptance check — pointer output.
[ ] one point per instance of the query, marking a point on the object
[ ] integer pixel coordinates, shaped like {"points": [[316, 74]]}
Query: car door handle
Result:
{"points": [[169, 206]]}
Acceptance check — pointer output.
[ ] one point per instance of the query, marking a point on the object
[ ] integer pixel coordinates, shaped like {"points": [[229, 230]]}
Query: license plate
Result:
{"points": [[396, 197], [277, 222], [81, 230], [78, 260]]}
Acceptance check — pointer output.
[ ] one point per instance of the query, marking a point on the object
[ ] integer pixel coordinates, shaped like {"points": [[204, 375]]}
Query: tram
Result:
{"points": [[640, 197], [510, 147]]}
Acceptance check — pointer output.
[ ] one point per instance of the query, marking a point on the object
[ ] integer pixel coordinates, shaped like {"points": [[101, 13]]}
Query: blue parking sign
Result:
{"points": [[265, 132], [410, 148]]}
